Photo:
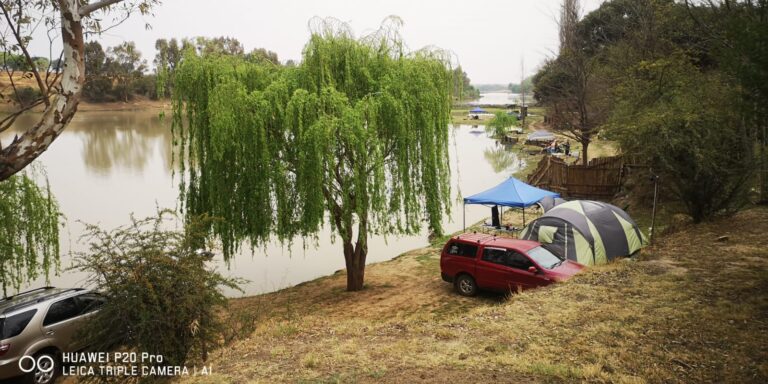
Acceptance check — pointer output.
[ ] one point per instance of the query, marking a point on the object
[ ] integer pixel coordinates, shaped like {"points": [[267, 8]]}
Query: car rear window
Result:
{"points": [[462, 249], [12, 326]]}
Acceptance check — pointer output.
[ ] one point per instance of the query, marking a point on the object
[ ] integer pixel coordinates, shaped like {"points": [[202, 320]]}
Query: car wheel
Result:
{"points": [[466, 285], [46, 370]]}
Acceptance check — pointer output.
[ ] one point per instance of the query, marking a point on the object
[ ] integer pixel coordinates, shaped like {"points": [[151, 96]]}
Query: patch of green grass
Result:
{"points": [[557, 370], [285, 329], [427, 258], [377, 373]]}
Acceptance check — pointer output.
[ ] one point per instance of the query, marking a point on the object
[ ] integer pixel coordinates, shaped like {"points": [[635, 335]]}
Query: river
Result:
{"points": [[108, 165], [501, 98]]}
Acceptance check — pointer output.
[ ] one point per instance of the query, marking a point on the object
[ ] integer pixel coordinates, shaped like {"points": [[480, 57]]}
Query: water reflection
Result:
{"points": [[108, 165], [114, 143], [501, 158]]}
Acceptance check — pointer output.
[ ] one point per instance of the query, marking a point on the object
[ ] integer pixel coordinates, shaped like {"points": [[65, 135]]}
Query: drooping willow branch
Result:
{"points": [[358, 132]]}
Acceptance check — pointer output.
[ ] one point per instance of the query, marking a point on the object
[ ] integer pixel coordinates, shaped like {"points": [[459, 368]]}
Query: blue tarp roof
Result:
{"points": [[477, 110], [511, 193]]}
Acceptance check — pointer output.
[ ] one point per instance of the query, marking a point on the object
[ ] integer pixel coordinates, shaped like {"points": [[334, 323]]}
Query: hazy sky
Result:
{"points": [[489, 37]]}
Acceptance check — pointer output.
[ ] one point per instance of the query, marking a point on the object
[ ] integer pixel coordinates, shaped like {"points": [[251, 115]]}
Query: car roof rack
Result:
{"points": [[38, 300], [25, 293]]}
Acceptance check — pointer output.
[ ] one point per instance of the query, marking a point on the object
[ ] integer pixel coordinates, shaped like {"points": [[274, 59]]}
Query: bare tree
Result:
{"points": [[569, 18], [568, 86], [59, 91]]}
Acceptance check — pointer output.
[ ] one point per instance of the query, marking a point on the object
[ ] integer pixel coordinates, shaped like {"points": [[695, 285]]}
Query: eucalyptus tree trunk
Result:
{"points": [[59, 112]]}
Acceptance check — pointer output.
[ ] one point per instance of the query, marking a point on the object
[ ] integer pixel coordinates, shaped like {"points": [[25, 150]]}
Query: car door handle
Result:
{"points": [[49, 333]]}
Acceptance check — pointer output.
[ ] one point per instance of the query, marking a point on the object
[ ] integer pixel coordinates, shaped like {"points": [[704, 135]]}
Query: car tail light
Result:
{"points": [[4, 348]]}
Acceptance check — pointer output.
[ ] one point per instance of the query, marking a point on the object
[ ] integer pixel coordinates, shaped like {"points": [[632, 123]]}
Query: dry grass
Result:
{"points": [[689, 310], [137, 103]]}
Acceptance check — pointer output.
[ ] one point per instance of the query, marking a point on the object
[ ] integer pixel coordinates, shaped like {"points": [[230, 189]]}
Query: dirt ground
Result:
{"points": [[690, 309], [136, 103]]}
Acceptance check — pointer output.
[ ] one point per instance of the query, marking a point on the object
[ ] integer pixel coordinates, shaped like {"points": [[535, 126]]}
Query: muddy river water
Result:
{"points": [[109, 165]]}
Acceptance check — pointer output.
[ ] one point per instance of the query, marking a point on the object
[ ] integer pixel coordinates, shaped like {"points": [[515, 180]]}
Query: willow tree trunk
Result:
{"points": [[354, 256], [35, 140]]}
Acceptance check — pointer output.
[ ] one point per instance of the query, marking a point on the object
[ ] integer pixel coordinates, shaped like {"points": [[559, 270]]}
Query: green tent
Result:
{"points": [[589, 232]]}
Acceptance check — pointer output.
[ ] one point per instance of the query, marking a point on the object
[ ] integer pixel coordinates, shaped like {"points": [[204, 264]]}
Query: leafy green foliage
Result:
{"points": [[358, 130], [263, 55], [218, 46], [685, 124], [26, 96], [661, 78], [499, 124], [162, 297], [166, 60], [738, 32], [462, 88], [526, 85], [29, 231], [115, 74], [125, 67]]}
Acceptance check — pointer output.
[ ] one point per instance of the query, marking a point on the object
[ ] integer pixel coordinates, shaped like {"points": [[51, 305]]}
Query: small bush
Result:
{"points": [[26, 96], [162, 297], [500, 123]]}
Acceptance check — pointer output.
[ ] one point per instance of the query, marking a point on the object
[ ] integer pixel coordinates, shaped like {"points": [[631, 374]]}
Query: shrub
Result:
{"points": [[25, 96], [500, 123], [163, 299]]}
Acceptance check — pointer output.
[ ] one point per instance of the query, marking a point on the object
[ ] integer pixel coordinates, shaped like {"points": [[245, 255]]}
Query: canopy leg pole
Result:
{"points": [[464, 217], [523, 216]]}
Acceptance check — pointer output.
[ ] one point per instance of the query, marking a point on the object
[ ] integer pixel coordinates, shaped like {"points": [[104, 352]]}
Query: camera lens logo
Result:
{"points": [[44, 363]]}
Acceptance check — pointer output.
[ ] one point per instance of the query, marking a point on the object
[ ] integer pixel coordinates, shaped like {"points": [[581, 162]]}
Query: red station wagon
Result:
{"points": [[480, 261]]}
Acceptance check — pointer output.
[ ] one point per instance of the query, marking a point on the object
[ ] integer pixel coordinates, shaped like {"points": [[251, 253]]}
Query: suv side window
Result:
{"points": [[461, 249], [507, 258], [61, 310], [518, 261], [494, 255], [13, 325]]}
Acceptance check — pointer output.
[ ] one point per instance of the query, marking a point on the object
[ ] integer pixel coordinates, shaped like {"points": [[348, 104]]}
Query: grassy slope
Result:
{"points": [[689, 310]]}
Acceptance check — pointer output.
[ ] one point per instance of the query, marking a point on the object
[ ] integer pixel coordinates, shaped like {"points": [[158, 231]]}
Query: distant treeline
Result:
{"points": [[462, 88], [119, 73], [526, 85], [511, 87], [483, 88]]}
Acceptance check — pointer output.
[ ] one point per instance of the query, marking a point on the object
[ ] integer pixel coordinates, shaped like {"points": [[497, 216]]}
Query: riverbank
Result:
{"points": [[679, 313], [137, 104]]}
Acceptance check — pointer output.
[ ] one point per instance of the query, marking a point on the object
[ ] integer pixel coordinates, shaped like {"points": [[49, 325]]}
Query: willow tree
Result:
{"points": [[355, 137], [29, 231]]}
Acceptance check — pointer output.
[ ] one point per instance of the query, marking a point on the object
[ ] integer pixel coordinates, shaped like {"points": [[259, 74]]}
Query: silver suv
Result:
{"points": [[41, 324]]}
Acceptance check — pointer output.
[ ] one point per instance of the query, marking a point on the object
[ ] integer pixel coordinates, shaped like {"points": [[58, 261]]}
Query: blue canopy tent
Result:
{"points": [[477, 110], [510, 193]]}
